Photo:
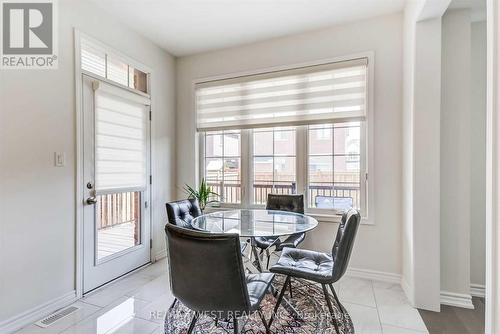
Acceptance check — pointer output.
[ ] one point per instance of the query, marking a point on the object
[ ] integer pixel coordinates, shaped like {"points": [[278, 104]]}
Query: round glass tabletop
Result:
{"points": [[255, 223]]}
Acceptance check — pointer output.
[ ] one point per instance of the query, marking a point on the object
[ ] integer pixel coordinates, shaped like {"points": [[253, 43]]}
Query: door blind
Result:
{"points": [[331, 92], [121, 130]]}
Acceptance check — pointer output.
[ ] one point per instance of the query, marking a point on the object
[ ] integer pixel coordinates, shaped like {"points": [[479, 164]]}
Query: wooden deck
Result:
{"points": [[115, 239]]}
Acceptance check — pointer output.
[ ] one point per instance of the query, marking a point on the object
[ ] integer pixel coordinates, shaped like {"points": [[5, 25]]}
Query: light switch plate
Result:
{"points": [[59, 159]]}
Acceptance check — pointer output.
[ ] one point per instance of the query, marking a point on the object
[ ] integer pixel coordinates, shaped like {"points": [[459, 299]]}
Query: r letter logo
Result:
{"points": [[28, 35]]}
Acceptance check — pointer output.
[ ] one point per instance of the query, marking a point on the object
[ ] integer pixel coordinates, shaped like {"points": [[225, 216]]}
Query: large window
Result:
{"points": [[303, 130]]}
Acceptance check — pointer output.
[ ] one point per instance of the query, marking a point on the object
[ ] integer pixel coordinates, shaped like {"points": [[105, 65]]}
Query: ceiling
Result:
{"points": [[477, 8], [184, 27]]}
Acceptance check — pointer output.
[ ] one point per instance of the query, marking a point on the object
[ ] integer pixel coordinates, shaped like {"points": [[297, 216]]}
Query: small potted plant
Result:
{"points": [[203, 194]]}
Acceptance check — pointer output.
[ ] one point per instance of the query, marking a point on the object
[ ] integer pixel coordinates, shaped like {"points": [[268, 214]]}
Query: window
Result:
{"points": [[222, 164], [302, 130], [334, 169], [273, 163], [96, 60]]}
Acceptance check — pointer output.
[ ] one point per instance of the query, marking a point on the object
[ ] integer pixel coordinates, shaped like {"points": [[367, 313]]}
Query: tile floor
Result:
{"points": [[137, 304]]}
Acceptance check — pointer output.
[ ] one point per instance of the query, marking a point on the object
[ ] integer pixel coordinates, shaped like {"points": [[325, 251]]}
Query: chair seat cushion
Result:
{"points": [[266, 242], [257, 286], [292, 241], [314, 266]]}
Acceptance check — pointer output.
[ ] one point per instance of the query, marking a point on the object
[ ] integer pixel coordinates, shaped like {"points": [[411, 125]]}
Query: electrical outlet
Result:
{"points": [[59, 159]]}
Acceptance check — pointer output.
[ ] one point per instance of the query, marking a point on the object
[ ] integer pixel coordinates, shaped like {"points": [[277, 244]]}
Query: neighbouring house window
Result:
{"points": [[302, 130]]}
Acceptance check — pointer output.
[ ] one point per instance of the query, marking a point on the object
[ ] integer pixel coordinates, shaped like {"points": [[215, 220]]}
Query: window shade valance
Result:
{"points": [[121, 130], [307, 95]]}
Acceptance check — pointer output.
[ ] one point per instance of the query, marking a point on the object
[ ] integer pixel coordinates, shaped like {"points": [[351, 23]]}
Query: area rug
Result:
{"points": [[307, 298]]}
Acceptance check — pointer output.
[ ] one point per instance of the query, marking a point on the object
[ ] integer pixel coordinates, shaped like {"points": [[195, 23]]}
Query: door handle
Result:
{"points": [[91, 200]]}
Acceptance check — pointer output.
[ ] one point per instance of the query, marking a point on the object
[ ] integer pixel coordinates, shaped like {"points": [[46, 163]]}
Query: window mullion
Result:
{"points": [[301, 154], [246, 168]]}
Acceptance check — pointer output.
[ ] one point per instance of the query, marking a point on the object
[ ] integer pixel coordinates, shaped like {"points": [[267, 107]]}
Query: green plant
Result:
{"points": [[203, 194]]}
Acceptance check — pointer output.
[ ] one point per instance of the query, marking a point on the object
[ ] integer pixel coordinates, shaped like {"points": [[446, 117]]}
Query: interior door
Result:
{"points": [[116, 190]]}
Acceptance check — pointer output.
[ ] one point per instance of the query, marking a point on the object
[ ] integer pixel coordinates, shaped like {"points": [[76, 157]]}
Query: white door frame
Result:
{"points": [[79, 197]]}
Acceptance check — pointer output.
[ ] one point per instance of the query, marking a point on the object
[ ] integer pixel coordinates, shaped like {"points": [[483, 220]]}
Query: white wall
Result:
{"points": [[378, 246], [420, 150], [455, 152], [407, 246], [478, 153], [37, 200], [426, 154]]}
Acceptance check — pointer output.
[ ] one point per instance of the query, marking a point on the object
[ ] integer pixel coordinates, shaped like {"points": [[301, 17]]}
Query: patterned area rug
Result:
{"points": [[307, 298]]}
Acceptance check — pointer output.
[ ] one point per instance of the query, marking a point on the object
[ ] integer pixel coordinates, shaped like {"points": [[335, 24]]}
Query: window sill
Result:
{"points": [[321, 218]]}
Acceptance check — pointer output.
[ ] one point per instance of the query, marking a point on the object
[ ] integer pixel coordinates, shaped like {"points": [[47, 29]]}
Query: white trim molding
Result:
{"points": [[374, 275], [478, 290], [408, 290], [492, 310], [456, 299], [36, 313], [160, 255]]}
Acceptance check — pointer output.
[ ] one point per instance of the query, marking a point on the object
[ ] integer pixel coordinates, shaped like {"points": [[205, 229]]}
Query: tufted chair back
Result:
{"points": [[196, 282], [292, 203], [344, 242], [182, 212]]}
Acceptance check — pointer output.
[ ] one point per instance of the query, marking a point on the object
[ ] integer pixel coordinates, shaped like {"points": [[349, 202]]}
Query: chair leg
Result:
{"points": [[290, 286], [330, 307], [341, 308], [173, 304], [235, 325], [278, 302], [268, 258], [193, 322], [257, 258], [264, 321]]}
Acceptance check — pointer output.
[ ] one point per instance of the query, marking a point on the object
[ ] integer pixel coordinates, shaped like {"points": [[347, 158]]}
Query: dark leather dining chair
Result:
{"points": [[223, 293], [291, 203], [319, 267], [181, 213]]}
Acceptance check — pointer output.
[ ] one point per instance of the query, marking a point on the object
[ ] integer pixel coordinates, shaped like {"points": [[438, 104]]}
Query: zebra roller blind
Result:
{"points": [[333, 92], [121, 130]]}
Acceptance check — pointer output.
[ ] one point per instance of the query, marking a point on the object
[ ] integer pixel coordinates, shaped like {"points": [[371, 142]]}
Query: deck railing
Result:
{"points": [[231, 192], [118, 208]]}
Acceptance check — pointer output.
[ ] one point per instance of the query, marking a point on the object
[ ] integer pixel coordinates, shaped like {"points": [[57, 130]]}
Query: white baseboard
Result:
{"points": [[160, 255], [36, 313], [478, 290], [456, 299], [407, 289], [374, 275]]}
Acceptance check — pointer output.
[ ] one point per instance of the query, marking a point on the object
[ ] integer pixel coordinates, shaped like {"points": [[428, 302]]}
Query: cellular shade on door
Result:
{"points": [[121, 122]]}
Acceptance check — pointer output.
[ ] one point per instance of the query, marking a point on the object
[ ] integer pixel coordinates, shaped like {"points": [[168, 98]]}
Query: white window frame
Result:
{"points": [[366, 142]]}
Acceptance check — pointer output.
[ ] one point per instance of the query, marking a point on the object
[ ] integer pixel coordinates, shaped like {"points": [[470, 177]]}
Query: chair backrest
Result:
{"points": [[344, 242], [182, 212], [206, 271], [292, 203]]}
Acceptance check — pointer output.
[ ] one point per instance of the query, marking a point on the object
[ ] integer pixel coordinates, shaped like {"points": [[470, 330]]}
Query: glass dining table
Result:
{"points": [[252, 223], [255, 223]]}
